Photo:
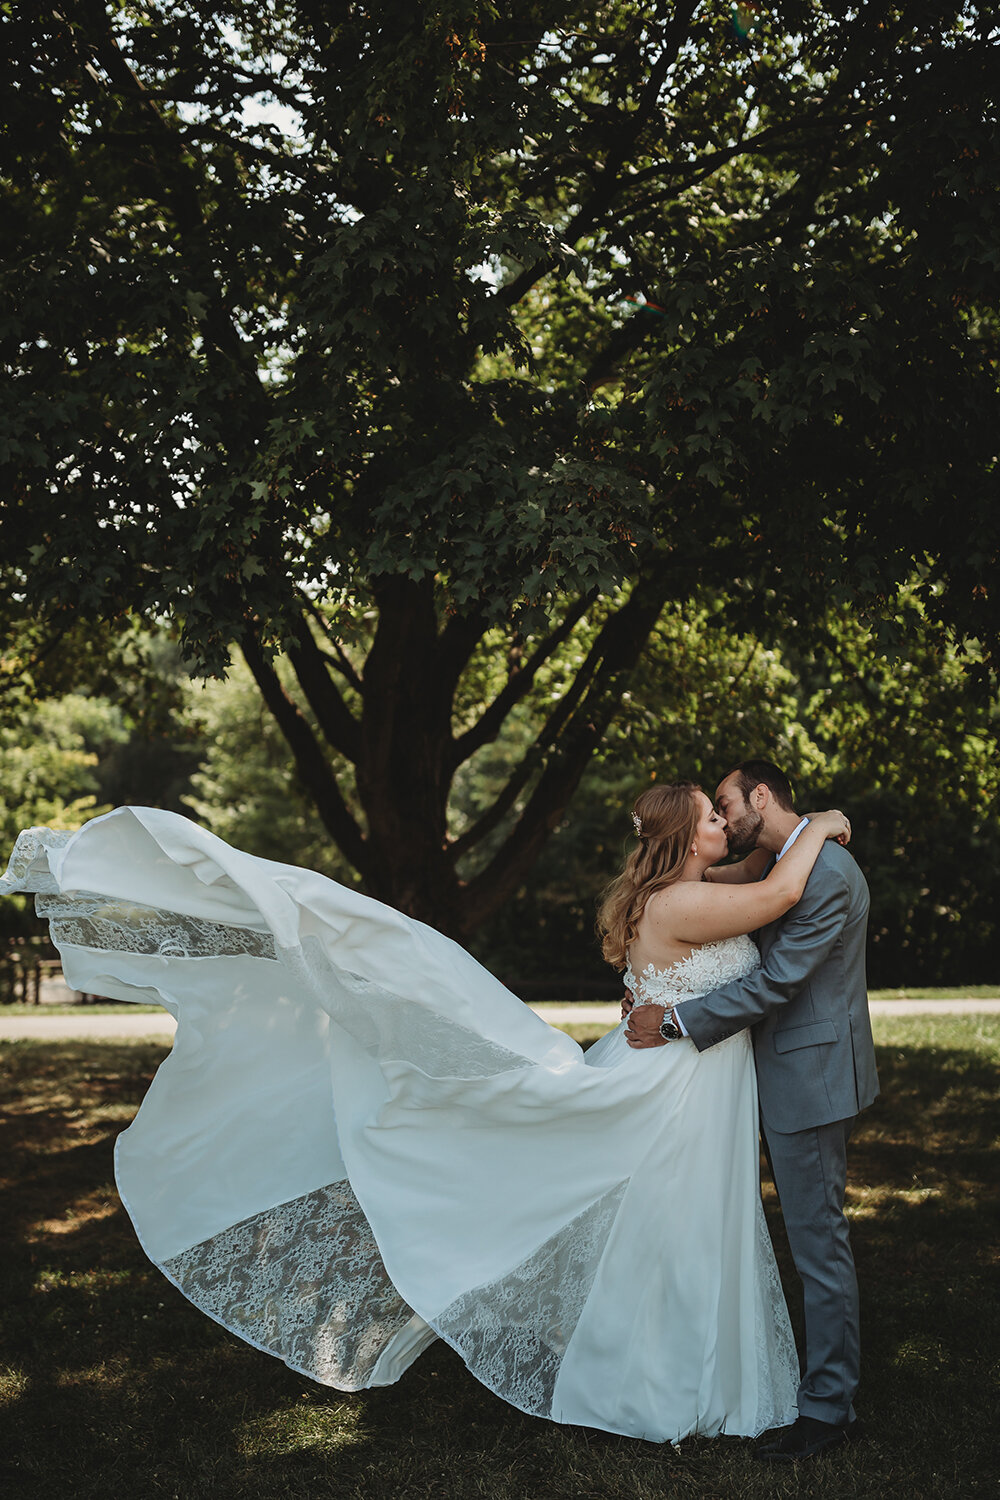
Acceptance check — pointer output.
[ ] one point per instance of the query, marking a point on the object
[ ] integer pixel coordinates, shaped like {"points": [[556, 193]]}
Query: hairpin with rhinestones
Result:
{"points": [[637, 825]]}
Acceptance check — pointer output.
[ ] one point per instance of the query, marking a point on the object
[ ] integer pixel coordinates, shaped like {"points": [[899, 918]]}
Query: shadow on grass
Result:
{"points": [[113, 1385]]}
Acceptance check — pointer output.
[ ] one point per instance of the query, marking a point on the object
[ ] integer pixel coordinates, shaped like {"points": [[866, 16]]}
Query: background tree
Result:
{"points": [[867, 736], [89, 718], [102, 727], [358, 376]]}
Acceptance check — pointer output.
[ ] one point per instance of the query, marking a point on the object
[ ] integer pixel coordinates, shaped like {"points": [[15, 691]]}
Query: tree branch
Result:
{"points": [[622, 638], [310, 762], [558, 723], [517, 685], [339, 660], [498, 809], [544, 741], [623, 141], [338, 724], [635, 331], [180, 192], [457, 641]]}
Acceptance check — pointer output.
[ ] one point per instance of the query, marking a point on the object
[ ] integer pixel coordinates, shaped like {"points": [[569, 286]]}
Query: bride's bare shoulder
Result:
{"points": [[683, 892], [676, 900]]}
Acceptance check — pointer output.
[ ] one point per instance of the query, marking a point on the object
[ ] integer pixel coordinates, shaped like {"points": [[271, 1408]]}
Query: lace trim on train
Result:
{"points": [[28, 866], [85, 920], [705, 969], [513, 1333], [304, 1281], [774, 1343], [385, 1024]]}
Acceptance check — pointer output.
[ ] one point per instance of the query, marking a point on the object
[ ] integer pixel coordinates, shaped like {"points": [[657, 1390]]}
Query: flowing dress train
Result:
{"points": [[361, 1141]]}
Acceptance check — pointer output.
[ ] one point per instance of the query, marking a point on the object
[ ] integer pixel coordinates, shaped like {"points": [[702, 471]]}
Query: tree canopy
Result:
{"points": [[442, 345]]}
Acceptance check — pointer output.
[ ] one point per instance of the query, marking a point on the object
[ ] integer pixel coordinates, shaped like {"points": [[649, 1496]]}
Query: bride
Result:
{"points": [[362, 1141]]}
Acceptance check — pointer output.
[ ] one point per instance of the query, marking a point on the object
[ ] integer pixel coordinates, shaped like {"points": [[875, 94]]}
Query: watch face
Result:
{"points": [[669, 1031]]}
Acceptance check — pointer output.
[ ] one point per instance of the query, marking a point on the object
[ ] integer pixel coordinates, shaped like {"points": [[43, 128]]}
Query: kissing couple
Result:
{"points": [[361, 1141]]}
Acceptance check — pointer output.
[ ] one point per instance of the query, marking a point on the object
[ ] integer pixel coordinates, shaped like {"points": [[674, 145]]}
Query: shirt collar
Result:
{"points": [[792, 837]]}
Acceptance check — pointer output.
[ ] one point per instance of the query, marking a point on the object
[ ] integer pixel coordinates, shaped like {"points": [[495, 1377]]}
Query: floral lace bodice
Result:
{"points": [[708, 967]]}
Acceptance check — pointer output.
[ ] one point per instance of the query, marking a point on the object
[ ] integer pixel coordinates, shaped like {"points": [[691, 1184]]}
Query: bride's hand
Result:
{"points": [[835, 824]]}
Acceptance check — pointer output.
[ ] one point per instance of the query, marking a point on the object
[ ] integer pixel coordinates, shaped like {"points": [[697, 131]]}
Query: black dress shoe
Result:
{"points": [[806, 1437]]}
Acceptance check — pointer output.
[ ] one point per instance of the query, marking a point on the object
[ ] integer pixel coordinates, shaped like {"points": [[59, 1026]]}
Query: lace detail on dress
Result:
{"points": [[708, 967], [513, 1333], [28, 867], [85, 920], [774, 1342], [304, 1281]]}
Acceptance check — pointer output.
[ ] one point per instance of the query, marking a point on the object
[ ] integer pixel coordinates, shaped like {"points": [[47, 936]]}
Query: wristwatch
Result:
{"points": [[669, 1029]]}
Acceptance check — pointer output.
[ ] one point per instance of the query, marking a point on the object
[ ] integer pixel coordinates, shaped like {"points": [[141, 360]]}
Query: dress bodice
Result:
{"points": [[708, 967]]}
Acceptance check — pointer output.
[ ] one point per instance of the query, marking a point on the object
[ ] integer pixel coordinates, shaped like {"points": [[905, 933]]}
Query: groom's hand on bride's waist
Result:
{"points": [[627, 1004], [643, 1029]]}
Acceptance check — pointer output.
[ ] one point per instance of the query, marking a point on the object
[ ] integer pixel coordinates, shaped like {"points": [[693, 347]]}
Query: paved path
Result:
{"points": [[141, 1027], [610, 1013]]}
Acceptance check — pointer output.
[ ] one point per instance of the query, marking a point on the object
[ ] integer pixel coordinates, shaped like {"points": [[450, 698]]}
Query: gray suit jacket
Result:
{"points": [[807, 1004]]}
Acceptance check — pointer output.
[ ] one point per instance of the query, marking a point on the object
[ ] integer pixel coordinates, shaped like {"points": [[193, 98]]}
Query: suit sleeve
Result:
{"points": [[809, 934]]}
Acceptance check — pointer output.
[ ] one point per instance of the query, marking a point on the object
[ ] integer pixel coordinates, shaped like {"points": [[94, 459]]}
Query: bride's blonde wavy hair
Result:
{"points": [[668, 817]]}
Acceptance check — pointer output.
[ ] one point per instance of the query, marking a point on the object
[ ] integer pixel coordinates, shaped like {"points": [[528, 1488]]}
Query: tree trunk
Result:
{"points": [[403, 775], [405, 754]]}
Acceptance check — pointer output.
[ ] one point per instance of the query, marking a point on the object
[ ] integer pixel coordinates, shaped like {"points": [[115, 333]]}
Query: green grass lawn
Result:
{"points": [[112, 1385], [78, 1008], [116, 1007], [956, 992]]}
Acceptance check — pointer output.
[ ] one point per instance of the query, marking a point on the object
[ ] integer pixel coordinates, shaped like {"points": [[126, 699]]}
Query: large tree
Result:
{"points": [[325, 331]]}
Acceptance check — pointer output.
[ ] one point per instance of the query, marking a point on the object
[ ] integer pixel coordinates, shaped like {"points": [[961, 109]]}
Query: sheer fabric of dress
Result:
{"points": [[361, 1140]]}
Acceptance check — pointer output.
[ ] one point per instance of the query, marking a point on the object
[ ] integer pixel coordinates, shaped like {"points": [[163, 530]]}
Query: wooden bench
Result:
{"points": [[24, 965]]}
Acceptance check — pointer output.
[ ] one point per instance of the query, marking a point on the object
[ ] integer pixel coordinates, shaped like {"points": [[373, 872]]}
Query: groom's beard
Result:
{"points": [[742, 835]]}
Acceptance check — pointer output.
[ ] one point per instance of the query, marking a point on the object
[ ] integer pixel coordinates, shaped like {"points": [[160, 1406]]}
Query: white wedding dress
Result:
{"points": [[361, 1140]]}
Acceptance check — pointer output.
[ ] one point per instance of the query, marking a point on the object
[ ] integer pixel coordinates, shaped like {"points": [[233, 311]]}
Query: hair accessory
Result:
{"points": [[637, 824]]}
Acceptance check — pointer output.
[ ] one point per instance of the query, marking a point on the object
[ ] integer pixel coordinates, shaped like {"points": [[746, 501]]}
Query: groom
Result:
{"points": [[808, 1006]]}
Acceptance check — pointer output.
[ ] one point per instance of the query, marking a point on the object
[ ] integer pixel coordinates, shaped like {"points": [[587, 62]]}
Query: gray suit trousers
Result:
{"points": [[810, 1173]]}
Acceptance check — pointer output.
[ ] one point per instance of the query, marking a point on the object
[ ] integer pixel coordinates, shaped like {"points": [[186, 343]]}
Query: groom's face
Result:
{"points": [[743, 822]]}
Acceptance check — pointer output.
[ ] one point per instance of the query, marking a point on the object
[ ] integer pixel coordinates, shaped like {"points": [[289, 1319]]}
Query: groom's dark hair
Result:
{"points": [[751, 773]]}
